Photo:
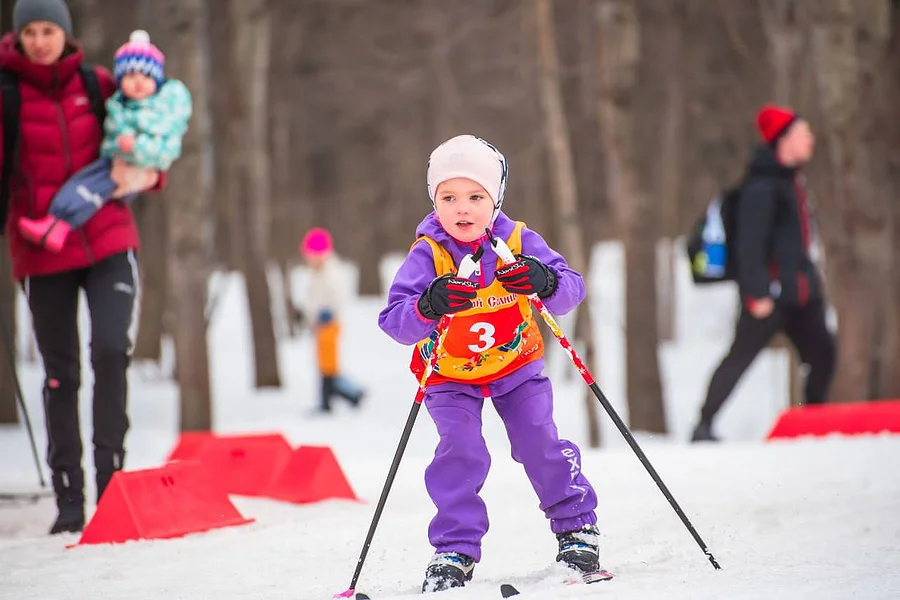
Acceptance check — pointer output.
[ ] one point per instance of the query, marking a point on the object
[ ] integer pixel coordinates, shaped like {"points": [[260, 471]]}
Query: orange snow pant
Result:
{"points": [[327, 348]]}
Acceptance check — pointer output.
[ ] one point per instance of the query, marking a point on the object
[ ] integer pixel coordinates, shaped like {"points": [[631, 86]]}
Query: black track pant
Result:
{"points": [[111, 288], [807, 331]]}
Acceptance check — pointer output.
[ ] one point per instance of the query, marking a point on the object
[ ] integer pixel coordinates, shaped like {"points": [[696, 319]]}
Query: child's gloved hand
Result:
{"points": [[527, 276], [325, 317], [447, 295]]}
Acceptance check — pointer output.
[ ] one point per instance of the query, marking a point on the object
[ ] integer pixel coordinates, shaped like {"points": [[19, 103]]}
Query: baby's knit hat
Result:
{"points": [[139, 55]]}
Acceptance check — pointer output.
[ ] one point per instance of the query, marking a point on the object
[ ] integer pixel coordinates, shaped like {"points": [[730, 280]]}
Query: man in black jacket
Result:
{"points": [[779, 284]]}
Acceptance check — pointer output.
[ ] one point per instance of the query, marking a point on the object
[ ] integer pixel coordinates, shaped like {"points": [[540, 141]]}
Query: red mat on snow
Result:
{"points": [[876, 416]]}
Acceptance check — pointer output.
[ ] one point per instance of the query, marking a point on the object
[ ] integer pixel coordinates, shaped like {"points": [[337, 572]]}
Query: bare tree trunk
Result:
{"points": [[672, 163], [6, 9], [9, 412], [857, 238], [783, 21], [249, 72], [885, 134], [188, 267], [102, 26], [286, 42], [447, 98], [151, 214], [890, 356], [563, 176], [224, 103], [620, 52]]}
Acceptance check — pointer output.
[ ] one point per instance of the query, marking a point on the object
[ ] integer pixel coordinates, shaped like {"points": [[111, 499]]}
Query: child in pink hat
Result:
{"points": [[323, 304]]}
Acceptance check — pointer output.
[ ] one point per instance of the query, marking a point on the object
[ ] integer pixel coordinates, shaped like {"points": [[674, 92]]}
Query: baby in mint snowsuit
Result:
{"points": [[146, 119]]}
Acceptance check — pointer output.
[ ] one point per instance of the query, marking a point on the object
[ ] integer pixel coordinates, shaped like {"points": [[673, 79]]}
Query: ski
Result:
{"points": [[508, 591], [25, 497], [597, 576]]}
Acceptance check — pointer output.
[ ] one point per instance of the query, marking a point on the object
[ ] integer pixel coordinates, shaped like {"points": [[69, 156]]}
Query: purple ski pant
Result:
{"points": [[461, 463]]}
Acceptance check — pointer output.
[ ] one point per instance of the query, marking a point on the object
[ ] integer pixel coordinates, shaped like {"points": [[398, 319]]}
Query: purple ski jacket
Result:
{"points": [[401, 319]]}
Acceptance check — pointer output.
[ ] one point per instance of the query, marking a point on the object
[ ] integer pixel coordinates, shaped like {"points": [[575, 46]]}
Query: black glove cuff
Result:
{"points": [[424, 306], [552, 283]]}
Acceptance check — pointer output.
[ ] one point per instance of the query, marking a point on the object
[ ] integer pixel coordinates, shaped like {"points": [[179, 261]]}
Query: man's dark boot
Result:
{"points": [[703, 433], [69, 488]]}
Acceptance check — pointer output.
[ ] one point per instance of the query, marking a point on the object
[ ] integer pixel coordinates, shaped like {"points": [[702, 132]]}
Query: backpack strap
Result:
{"points": [[92, 87], [9, 86]]}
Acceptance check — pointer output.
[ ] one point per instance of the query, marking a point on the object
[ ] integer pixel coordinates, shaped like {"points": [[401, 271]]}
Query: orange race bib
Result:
{"points": [[473, 334], [488, 341]]}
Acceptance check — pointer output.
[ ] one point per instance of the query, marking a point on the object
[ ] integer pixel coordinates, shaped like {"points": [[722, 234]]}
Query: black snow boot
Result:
{"points": [[703, 433], [69, 488]]}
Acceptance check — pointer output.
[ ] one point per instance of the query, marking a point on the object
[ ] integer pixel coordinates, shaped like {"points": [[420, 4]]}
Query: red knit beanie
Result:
{"points": [[774, 121]]}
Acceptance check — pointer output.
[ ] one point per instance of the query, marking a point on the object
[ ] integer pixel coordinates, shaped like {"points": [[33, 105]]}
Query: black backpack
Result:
{"points": [[727, 206], [9, 85]]}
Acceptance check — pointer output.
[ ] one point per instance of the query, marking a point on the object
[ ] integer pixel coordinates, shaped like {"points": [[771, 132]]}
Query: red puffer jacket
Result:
{"points": [[58, 136]]}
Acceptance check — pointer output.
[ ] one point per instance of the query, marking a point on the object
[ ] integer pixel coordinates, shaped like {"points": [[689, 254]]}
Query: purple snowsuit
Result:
{"points": [[523, 399]]}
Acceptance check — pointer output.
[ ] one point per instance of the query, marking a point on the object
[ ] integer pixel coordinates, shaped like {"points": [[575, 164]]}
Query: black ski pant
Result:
{"points": [[111, 289], [805, 327]]}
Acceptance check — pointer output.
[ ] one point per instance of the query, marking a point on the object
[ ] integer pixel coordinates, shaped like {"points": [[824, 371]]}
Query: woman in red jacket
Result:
{"points": [[58, 135]]}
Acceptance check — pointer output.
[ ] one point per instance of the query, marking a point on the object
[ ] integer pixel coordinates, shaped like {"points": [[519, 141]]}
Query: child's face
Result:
{"points": [[464, 208], [316, 261], [138, 86]]}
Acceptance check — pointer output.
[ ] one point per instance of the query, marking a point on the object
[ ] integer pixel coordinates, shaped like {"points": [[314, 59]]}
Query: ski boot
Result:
{"points": [[580, 550], [448, 570]]}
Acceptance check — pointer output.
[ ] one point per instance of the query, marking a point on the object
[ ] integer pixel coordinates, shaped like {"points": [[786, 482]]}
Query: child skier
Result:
{"points": [[324, 302], [493, 349], [146, 120]]}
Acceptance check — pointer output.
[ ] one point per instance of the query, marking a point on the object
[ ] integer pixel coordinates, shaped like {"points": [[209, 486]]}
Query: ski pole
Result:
{"points": [[507, 257], [467, 267], [11, 351]]}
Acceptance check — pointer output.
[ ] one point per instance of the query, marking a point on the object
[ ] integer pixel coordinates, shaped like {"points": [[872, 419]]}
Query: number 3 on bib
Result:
{"points": [[485, 333]]}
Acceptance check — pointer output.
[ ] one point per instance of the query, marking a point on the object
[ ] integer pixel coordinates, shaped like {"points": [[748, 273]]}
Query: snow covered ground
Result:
{"points": [[816, 519]]}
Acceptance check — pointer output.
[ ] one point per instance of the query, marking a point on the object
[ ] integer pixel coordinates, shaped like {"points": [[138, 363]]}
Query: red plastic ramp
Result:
{"points": [[876, 416], [244, 465], [188, 444], [311, 475], [160, 503]]}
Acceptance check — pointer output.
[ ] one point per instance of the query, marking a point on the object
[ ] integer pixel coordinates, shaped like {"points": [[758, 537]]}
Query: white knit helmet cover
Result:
{"points": [[473, 158]]}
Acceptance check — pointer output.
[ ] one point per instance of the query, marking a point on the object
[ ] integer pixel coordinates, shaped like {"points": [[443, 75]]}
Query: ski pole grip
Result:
{"points": [[501, 248], [469, 264]]}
